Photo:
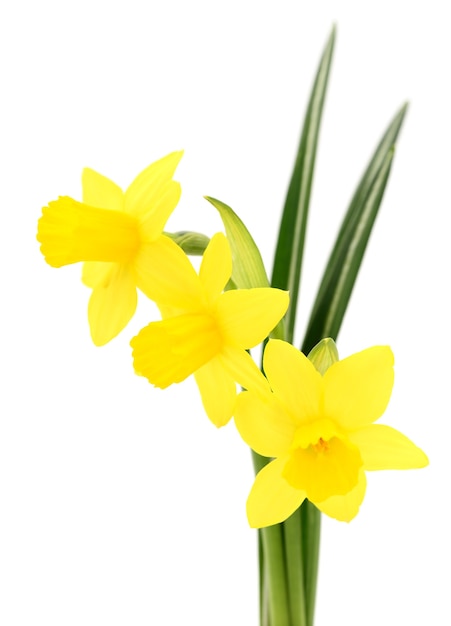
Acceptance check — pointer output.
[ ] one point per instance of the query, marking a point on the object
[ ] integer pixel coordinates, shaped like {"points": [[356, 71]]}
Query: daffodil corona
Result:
{"points": [[320, 431], [119, 236], [206, 332]]}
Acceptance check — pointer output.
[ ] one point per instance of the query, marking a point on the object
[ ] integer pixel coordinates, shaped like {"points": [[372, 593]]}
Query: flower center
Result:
{"points": [[71, 231], [321, 446], [322, 461]]}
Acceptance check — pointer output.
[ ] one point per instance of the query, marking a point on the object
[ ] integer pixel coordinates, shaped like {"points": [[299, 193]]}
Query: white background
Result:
{"points": [[121, 504]]}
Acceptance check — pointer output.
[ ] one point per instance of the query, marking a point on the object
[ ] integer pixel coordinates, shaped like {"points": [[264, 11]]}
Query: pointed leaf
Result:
{"points": [[344, 263], [290, 245], [334, 286], [332, 300]]}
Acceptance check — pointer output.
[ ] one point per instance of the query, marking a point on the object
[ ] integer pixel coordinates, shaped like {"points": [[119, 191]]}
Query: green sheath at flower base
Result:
{"points": [[323, 355], [320, 432], [248, 270], [207, 333], [119, 237], [191, 243]]}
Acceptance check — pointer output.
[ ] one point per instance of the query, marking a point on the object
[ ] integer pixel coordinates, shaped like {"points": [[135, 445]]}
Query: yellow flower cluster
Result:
{"points": [[317, 424]]}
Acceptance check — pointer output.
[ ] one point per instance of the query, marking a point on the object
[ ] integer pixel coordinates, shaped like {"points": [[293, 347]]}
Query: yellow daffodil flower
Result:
{"points": [[319, 430], [206, 332], [119, 236]]}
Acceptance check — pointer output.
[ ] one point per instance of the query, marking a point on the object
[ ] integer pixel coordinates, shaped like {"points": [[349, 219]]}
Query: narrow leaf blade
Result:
{"points": [[290, 245], [352, 215], [341, 272]]}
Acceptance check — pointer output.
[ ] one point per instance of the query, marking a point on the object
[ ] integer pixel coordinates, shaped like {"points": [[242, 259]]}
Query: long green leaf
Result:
{"points": [[332, 300], [344, 262], [386, 143], [290, 245], [345, 273]]}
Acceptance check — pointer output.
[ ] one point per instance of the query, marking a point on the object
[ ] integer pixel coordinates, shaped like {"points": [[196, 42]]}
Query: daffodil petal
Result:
{"points": [[271, 499], [358, 388], [153, 221], [243, 369], [383, 448], [96, 272], [112, 305], [247, 316], [218, 391], [264, 424], [294, 380], [216, 266], [169, 351], [165, 274], [345, 508], [142, 196], [99, 191]]}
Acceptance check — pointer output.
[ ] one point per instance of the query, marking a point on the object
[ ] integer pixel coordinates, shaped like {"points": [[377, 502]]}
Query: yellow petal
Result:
{"points": [[264, 424], [294, 380], [330, 468], [70, 232], [101, 192], [96, 272], [218, 391], [154, 219], [345, 508], [357, 389], [243, 369], [112, 305], [169, 351], [142, 196], [247, 316], [272, 500], [165, 274], [383, 448], [216, 266]]}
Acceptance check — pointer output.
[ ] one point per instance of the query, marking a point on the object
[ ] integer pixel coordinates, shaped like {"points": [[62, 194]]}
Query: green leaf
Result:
{"points": [[310, 528], [344, 262], [248, 269], [290, 245]]}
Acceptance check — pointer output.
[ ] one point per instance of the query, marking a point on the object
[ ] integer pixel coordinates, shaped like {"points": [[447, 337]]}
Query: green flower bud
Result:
{"points": [[191, 243], [323, 355]]}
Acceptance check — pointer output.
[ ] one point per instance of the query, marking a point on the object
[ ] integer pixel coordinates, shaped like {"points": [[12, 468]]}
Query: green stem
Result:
{"points": [[293, 534], [275, 575], [274, 607], [311, 524]]}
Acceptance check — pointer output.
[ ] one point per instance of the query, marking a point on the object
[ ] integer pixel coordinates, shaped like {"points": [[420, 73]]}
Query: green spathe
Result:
{"points": [[248, 269], [323, 355]]}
